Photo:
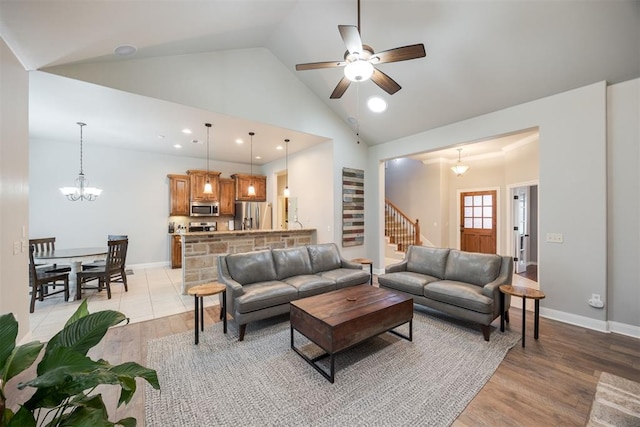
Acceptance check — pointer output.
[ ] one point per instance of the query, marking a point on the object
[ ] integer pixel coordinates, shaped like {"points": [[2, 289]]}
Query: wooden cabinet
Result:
{"points": [[242, 187], [227, 197], [176, 251], [179, 195], [197, 179]]}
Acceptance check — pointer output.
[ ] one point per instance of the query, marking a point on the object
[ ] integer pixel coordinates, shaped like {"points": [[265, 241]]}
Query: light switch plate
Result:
{"points": [[554, 237]]}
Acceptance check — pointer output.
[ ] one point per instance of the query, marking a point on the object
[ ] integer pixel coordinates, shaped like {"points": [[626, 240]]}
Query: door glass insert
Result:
{"points": [[478, 212]]}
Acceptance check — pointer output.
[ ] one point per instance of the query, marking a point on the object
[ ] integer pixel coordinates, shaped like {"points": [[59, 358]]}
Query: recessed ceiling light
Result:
{"points": [[195, 141], [279, 147], [376, 104], [187, 131], [177, 146], [258, 157], [125, 50], [239, 141]]}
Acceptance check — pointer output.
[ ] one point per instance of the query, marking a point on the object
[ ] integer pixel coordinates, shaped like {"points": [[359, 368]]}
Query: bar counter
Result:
{"points": [[200, 249]]}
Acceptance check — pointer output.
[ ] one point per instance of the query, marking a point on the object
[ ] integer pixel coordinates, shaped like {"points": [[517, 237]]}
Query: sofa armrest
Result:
{"points": [[344, 263], [393, 268], [492, 289], [225, 278]]}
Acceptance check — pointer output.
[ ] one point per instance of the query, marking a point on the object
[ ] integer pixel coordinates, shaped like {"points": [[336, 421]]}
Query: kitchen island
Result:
{"points": [[200, 249]]}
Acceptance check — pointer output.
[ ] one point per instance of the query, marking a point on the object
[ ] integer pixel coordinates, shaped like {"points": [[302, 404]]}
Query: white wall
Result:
{"points": [[623, 160], [14, 187], [571, 122]]}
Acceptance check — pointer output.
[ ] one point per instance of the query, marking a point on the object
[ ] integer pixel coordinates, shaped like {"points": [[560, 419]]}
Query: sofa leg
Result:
{"points": [[486, 330], [243, 329]]}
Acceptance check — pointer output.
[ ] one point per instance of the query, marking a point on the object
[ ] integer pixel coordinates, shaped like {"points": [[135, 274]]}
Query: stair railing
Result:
{"points": [[400, 229]]}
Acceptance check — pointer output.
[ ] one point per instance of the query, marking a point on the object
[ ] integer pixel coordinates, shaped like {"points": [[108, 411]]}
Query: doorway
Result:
{"points": [[524, 223], [478, 231]]}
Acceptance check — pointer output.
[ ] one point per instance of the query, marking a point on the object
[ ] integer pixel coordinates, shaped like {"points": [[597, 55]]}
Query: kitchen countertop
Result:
{"points": [[232, 232]]}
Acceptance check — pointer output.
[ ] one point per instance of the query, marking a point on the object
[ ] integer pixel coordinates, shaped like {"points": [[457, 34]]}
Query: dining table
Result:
{"points": [[75, 257]]}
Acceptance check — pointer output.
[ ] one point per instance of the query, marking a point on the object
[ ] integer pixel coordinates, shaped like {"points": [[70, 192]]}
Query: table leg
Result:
{"points": [[371, 274], [196, 318], [224, 311], [501, 312], [524, 310], [536, 319], [73, 279]]}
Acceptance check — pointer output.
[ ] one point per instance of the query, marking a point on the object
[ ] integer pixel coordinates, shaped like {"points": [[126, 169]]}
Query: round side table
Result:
{"points": [[369, 262], [524, 293], [205, 290]]}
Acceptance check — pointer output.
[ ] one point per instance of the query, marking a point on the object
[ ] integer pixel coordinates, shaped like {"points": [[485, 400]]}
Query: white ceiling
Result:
{"points": [[482, 56]]}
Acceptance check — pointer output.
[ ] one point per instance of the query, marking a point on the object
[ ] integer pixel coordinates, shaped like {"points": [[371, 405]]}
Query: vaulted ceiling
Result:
{"points": [[482, 56]]}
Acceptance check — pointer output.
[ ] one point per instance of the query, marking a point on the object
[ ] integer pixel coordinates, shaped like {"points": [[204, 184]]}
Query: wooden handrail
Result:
{"points": [[400, 229]]}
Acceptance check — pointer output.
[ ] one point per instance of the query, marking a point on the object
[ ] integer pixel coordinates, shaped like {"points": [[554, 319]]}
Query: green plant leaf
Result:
{"points": [[8, 334], [90, 411], [20, 359], [132, 369], [81, 312], [127, 422], [22, 418], [85, 332]]}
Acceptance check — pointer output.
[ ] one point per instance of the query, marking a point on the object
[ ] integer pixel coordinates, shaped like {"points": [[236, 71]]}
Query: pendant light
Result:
{"points": [[459, 168], [251, 191], [207, 186], [286, 160], [81, 191]]}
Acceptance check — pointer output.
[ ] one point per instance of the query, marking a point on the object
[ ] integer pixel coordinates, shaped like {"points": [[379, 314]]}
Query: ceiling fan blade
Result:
{"points": [[400, 54], [318, 65], [385, 82], [351, 37], [340, 88]]}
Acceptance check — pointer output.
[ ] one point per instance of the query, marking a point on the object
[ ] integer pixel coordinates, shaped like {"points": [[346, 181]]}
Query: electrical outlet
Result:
{"points": [[596, 301], [554, 237]]}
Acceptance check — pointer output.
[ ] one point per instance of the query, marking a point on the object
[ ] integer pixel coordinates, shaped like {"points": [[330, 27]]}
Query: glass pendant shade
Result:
{"points": [[358, 71], [207, 186], [251, 191], [81, 191], [459, 168]]}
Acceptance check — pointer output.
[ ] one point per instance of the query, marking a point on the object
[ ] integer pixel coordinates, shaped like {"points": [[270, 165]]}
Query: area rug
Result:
{"points": [[262, 381], [616, 403]]}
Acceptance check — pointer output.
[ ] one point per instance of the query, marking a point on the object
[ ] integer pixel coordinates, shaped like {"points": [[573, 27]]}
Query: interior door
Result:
{"points": [[478, 221], [521, 217]]}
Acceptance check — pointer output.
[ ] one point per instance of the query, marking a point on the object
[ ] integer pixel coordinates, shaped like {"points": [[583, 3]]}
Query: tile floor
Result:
{"points": [[153, 293]]}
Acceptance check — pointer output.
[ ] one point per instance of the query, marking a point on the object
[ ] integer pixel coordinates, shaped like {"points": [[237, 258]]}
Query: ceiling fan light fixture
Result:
{"points": [[358, 70]]}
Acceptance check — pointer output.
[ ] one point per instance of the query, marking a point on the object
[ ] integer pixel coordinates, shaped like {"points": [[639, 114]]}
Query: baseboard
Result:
{"points": [[574, 319], [624, 329]]}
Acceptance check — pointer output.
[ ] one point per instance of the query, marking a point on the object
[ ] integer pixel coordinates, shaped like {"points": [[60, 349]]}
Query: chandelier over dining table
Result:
{"points": [[81, 191]]}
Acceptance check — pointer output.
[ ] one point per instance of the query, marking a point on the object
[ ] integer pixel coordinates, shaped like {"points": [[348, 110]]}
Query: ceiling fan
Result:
{"points": [[359, 61]]}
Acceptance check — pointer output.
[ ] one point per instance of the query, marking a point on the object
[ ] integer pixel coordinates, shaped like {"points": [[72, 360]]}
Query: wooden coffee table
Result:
{"points": [[339, 320]]}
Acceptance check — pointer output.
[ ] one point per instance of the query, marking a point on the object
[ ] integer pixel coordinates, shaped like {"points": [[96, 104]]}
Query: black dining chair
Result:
{"points": [[48, 244], [40, 281], [112, 271], [102, 262]]}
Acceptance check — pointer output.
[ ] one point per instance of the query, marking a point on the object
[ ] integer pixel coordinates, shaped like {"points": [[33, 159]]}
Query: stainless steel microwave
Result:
{"points": [[204, 209]]}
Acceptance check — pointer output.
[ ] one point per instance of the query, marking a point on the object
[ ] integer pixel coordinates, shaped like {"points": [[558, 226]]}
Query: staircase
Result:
{"points": [[399, 230]]}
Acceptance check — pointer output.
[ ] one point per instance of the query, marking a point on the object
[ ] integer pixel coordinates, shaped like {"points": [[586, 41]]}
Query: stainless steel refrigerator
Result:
{"points": [[253, 216]]}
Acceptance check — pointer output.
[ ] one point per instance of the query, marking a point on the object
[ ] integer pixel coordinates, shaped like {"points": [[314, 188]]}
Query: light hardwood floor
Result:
{"points": [[551, 382]]}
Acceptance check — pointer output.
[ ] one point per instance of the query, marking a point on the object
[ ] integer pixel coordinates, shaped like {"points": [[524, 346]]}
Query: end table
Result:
{"points": [[201, 291], [524, 293]]}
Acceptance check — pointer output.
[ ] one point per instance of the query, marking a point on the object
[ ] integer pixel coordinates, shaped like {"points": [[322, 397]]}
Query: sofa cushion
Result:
{"points": [[264, 295], [308, 285], [475, 268], [429, 261], [406, 281], [251, 267], [459, 294], [344, 277], [291, 262], [324, 257]]}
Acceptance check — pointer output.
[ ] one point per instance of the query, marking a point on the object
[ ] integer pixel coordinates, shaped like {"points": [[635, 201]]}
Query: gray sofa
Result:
{"points": [[261, 284], [462, 284]]}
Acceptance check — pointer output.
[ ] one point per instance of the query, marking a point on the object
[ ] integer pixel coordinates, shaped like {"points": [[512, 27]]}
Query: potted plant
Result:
{"points": [[66, 377]]}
